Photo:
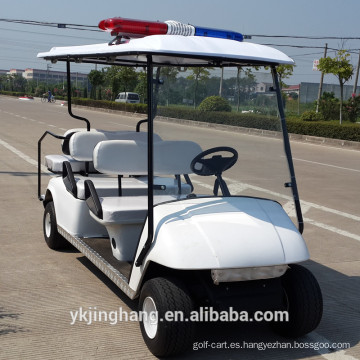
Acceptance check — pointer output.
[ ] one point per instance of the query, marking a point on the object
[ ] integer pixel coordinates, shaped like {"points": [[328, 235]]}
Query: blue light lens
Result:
{"points": [[222, 34]]}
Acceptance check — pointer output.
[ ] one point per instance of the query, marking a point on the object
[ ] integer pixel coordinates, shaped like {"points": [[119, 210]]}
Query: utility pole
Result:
{"points": [[221, 81], [238, 87], [321, 82], [299, 99], [48, 66], [357, 75]]}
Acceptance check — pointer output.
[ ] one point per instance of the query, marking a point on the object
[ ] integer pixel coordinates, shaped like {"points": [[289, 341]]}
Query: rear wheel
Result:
{"points": [[303, 301], [53, 239], [158, 297]]}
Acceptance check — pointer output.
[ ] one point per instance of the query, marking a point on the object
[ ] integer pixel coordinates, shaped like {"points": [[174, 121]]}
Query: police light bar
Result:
{"points": [[140, 28]]}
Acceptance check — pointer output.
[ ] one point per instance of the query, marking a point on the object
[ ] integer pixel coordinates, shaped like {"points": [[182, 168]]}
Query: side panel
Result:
{"points": [[73, 214]]}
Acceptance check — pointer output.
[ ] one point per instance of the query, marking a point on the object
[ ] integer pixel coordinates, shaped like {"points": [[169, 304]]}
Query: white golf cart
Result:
{"points": [[125, 199]]}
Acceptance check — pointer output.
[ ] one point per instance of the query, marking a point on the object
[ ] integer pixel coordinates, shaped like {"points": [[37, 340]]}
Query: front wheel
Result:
{"points": [[159, 297], [303, 301], [52, 238], [43, 99]]}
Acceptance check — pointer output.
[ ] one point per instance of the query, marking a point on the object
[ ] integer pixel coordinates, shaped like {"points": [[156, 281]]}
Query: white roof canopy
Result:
{"points": [[172, 50]]}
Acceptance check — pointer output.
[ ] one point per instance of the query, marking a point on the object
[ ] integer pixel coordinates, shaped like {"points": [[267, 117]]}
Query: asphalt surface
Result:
{"points": [[39, 287]]}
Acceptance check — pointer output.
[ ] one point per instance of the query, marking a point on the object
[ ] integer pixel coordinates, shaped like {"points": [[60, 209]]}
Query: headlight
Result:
{"points": [[246, 274]]}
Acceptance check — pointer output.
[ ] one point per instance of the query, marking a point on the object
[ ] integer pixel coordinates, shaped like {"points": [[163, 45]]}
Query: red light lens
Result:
{"points": [[129, 27]]}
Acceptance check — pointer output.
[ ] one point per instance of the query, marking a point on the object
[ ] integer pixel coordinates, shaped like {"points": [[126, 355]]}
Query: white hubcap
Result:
{"points": [[47, 225], [150, 318]]}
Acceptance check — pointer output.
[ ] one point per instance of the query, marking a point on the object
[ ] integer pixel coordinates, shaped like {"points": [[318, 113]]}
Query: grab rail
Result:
{"points": [[68, 77], [39, 158], [139, 124]]}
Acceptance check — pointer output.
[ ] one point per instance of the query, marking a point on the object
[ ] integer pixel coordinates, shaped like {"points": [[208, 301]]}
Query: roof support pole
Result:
{"points": [[287, 147], [68, 78], [150, 109]]}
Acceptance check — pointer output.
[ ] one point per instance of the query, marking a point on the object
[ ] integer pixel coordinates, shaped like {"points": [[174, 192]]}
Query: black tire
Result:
{"points": [[303, 300], [53, 239], [43, 99], [166, 338]]}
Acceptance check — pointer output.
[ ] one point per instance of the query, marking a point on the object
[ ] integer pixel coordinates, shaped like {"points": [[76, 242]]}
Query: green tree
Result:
{"points": [[284, 72], [198, 74], [96, 79], [112, 79], [244, 85], [168, 75], [121, 79], [141, 87], [329, 106], [215, 103], [340, 67], [3, 82]]}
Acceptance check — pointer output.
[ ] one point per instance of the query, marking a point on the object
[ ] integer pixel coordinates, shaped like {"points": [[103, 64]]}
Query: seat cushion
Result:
{"points": [[55, 163], [128, 209]]}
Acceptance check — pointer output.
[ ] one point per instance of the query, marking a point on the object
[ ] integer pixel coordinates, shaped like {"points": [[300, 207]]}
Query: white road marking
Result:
{"points": [[332, 229], [23, 156], [303, 203], [25, 118], [289, 206], [328, 165], [114, 123]]}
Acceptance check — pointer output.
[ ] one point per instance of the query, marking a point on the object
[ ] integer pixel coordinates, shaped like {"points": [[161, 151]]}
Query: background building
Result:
{"points": [[309, 91], [54, 77]]}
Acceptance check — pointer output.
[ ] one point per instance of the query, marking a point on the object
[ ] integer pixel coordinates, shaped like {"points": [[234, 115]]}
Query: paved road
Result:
{"points": [[40, 287]]}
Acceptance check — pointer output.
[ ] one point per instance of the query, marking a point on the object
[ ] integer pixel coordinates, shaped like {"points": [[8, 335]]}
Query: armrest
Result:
{"points": [[92, 199], [69, 179]]}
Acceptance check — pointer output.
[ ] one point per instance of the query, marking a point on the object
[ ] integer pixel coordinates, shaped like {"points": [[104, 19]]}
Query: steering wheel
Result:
{"points": [[215, 165]]}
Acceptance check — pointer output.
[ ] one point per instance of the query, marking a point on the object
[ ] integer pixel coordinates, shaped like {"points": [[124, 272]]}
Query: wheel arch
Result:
{"points": [[48, 197], [188, 277]]}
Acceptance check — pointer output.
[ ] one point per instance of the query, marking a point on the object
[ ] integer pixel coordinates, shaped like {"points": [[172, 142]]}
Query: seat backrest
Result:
{"points": [[82, 144], [68, 134], [129, 157]]}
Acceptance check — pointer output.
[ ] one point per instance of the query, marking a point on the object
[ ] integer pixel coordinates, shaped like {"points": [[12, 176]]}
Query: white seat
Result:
{"points": [[55, 164], [129, 157], [113, 209], [81, 146], [124, 216], [128, 209]]}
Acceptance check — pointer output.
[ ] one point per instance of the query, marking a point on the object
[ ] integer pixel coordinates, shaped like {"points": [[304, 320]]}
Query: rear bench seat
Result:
{"points": [[124, 216], [79, 145]]}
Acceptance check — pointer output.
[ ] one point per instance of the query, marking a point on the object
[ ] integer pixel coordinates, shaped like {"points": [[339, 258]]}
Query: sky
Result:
{"points": [[19, 43]]}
